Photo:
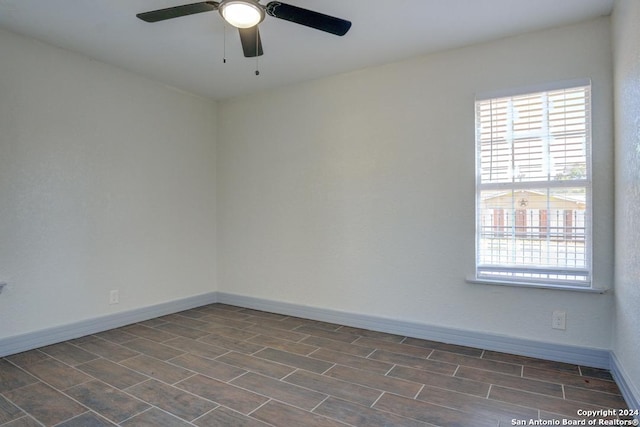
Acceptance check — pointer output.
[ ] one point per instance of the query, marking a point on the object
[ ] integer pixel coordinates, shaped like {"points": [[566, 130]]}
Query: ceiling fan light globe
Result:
{"points": [[241, 13]]}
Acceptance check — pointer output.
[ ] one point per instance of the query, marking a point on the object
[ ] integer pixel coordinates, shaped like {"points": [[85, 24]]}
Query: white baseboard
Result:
{"points": [[29, 341], [629, 391], [584, 356]]}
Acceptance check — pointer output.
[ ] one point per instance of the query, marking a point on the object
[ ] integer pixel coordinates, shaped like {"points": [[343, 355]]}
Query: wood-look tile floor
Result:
{"points": [[220, 365]]}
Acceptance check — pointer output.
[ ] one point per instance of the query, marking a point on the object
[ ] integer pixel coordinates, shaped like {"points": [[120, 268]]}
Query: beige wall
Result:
{"points": [[107, 181], [626, 38], [356, 192]]}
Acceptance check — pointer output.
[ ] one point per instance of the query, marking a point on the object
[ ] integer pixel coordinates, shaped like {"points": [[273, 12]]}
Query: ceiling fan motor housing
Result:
{"points": [[241, 13]]}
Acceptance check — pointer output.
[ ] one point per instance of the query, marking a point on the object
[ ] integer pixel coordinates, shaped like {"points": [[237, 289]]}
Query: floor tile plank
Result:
{"points": [[181, 331], [280, 390], [68, 353], [220, 338], [154, 418], [571, 379], [8, 411], [531, 362], [88, 419], [256, 364], [399, 348], [146, 332], [294, 360], [606, 400], [474, 362], [12, 377], [45, 404], [430, 413], [197, 348], [331, 386], [171, 399], [107, 401], [279, 414], [23, 422], [451, 348], [158, 369], [539, 401], [284, 345], [526, 384], [57, 374], [221, 365], [341, 346], [224, 417], [345, 359], [476, 405], [376, 381], [108, 350], [112, 373], [364, 416], [335, 335], [28, 357], [210, 368], [243, 401], [600, 373], [153, 349], [446, 382], [414, 362]]}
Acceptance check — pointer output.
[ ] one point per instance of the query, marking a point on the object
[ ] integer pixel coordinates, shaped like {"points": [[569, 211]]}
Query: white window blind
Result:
{"points": [[533, 187]]}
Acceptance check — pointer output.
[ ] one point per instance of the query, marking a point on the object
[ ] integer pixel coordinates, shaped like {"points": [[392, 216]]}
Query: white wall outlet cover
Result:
{"points": [[114, 296], [559, 320]]}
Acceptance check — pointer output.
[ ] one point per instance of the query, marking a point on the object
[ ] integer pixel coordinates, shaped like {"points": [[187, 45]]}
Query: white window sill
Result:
{"points": [[482, 281]]}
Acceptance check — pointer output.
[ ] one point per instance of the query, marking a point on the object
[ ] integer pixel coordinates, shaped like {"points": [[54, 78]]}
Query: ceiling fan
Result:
{"points": [[247, 14]]}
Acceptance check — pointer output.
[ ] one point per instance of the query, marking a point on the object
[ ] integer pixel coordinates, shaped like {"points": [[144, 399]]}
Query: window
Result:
{"points": [[533, 187]]}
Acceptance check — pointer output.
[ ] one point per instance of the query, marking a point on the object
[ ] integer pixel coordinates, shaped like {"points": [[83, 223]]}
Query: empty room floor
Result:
{"points": [[220, 365]]}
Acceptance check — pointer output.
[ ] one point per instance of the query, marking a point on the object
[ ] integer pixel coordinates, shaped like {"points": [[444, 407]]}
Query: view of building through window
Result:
{"points": [[533, 187]]}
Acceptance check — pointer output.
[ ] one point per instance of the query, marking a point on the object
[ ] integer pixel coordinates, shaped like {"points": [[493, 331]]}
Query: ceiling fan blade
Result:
{"points": [[178, 11], [251, 43], [312, 19]]}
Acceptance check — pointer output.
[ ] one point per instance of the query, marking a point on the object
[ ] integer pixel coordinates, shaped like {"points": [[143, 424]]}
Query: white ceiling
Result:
{"points": [[188, 52]]}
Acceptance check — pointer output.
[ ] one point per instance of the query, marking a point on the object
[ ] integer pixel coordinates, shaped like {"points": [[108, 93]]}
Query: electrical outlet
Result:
{"points": [[559, 320], [114, 296]]}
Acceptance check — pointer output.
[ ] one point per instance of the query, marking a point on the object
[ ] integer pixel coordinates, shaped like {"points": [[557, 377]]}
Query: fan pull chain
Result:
{"points": [[224, 44], [257, 52]]}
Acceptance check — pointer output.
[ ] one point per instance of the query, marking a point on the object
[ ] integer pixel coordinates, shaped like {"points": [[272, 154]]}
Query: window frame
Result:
{"points": [[547, 185]]}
